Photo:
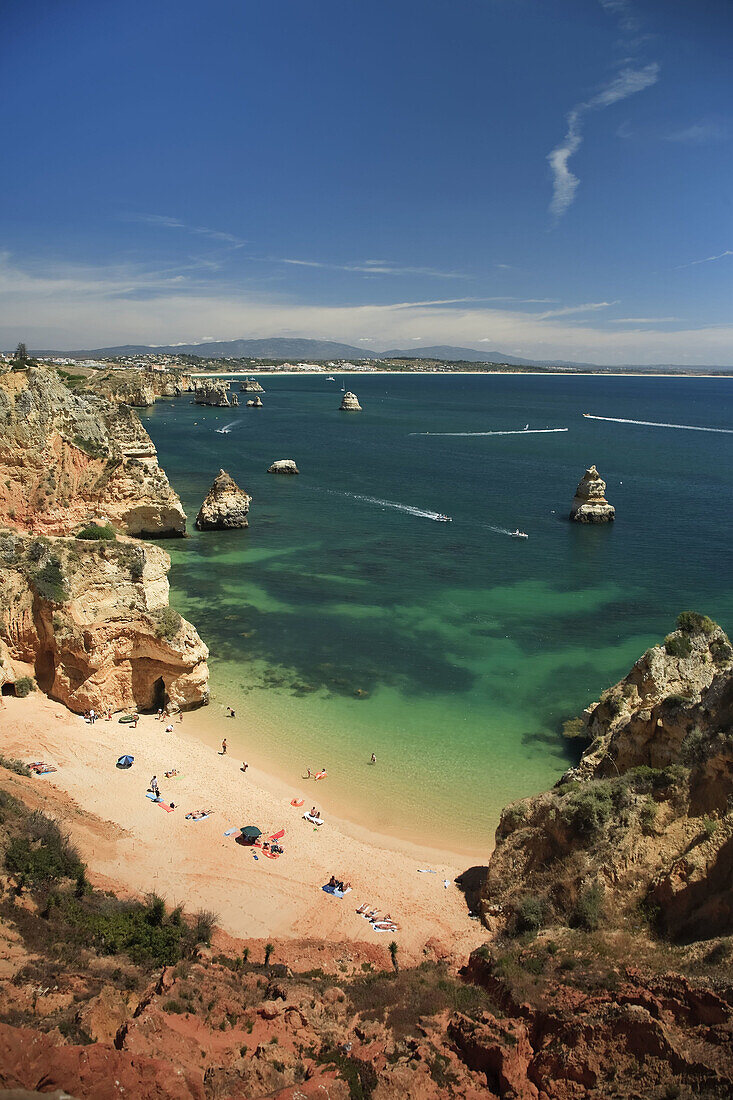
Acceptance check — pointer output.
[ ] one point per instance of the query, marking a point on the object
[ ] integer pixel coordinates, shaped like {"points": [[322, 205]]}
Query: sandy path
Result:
{"points": [[194, 863]]}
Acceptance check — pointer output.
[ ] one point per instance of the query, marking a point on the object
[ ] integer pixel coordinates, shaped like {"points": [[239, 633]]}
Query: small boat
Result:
{"points": [[443, 519], [222, 431], [519, 534], [330, 379]]}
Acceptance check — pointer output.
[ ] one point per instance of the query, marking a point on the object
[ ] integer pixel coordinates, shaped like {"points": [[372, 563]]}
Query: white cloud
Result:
{"points": [[167, 222], [587, 307], [707, 259], [73, 307], [627, 83], [699, 133], [372, 267], [641, 320]]}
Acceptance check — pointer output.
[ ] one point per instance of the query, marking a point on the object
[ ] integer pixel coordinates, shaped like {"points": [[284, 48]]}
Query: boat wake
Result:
{"points": [[514, 431], [421, 513], [517, 534], [658, 424], [226, 429]]}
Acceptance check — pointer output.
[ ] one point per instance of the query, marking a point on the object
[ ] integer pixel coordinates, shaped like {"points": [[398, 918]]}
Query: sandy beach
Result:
{"points": [[131, 842]]}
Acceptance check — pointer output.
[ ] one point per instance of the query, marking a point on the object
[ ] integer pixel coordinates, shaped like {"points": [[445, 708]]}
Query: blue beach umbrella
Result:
{"points": [[125, 761]]}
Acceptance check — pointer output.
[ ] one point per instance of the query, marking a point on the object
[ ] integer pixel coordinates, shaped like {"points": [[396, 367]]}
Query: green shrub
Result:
{"points": [[49, 581], [97, 531], [677, 646], [90, 446], [721, 652], [24, 686], [588, 808], [709, 827], [13, 765], [174, 1006], [167, 623], [648, 815], [691, 622], [588, 911], [530, 914], [677, 700], [43, 854]]}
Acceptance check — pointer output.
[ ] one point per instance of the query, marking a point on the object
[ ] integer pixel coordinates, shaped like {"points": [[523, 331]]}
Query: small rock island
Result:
{"points": [[250, 385], [212, 393], [226, 505], [590, 504], [255, 403], [350, 403], [283, 466]]}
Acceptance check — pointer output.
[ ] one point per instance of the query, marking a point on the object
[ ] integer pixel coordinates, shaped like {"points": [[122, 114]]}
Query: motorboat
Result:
{"points": [[222, 431], [519, 534], [444, 519], [330, 379]]}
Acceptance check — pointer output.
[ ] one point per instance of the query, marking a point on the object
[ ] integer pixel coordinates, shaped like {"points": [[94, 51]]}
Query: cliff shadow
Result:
{"points": [[471, 883]]}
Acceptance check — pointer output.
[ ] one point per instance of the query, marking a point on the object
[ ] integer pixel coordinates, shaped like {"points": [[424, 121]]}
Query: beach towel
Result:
{"points": [[336, 893], [168, 809], [203, 818], [277, 836], [42, 769], [313, 820], [425, 871], [272, 855], [229, 832], [154, 797]]}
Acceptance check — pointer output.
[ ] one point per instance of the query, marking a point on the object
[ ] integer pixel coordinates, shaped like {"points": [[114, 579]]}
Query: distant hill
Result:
{"points": [[300, 348]]}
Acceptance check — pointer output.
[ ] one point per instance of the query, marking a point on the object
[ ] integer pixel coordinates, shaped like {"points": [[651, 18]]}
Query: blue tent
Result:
{"points": [[125, 761]]}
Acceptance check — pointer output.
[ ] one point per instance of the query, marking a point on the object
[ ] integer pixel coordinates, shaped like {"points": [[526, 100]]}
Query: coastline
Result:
{"points": [[139, 847], [448, 373]]}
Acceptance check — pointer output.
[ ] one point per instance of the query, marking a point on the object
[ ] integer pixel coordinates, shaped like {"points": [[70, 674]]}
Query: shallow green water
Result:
{"points": [[468, 648]]}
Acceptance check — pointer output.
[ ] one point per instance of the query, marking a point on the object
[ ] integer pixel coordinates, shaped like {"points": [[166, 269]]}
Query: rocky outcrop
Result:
{"points": [[91, 620], [283, 466], [212, 392], [350, 403], [250, 385], [66, 458], [590, 504], [646, 818], [138, 388], [225, 507], [255, 403]]}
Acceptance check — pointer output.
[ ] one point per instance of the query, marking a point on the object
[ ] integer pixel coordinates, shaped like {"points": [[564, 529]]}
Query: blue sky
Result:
{"points": [[551, 178]]}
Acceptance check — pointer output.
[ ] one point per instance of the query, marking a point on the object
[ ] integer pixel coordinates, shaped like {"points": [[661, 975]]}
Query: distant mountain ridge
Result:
{"points": [[302, 348]]}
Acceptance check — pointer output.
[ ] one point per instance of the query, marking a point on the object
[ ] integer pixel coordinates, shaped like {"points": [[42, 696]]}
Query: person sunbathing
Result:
{"points": [[196, 815], [171, 773]]}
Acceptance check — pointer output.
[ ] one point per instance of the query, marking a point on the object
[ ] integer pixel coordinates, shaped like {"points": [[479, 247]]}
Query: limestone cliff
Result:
{"points": [[226, 505], [66, 458], [212, 392], [646, 819], [90, 620], [590, 504], [137, 388]]}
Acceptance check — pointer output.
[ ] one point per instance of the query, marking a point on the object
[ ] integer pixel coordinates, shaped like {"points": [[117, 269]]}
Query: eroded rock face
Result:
{"points": [[255, 403], [350, 403], [590, 504], [250, 385], [92, 621], [66, 458], [138, 388], [226, 505], [212, 392], [283, 466]]}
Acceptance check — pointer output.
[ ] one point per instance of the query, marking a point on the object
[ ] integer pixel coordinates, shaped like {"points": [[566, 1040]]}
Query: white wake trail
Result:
{"points": [[658, 424], [421, 513], [514, 431]]}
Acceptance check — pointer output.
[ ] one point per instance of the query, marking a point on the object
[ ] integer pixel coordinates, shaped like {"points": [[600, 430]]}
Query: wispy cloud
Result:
{"points": [[706, 260], [641, 320], [586, 307], [373, 267], [167, 222], [699, 133], [629, 80]]}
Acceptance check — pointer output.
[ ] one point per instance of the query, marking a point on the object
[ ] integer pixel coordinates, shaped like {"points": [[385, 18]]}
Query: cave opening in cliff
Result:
{"points": [[159, 695]]}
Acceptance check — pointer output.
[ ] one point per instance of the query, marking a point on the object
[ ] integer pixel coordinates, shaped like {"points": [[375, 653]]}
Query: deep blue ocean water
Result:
{"points": [[342, 626]]}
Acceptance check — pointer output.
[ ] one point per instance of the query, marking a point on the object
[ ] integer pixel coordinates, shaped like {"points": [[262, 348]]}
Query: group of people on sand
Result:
{"points": [[196, 815], [383, 924], [337, 884]]}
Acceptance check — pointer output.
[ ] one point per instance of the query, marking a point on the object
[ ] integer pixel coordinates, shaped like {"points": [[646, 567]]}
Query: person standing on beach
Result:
{"points": [[373, 759], [245, 765], [224, 747]]}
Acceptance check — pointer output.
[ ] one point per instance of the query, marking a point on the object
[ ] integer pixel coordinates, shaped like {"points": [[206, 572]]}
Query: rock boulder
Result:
{"points": [[255, 403], [226, 505], [590, 504], [283, 466], [350, 403]]}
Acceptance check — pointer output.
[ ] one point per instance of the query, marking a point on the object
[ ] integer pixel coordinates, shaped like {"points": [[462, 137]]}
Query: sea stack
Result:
{"points": [[283, 466], [255, 403], [212, 393], [350, 403], [226, 505], [590, 504], [250, 385]]}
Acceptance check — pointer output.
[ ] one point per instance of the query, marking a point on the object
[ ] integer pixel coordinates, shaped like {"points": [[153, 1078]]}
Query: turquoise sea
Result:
{"points": [[341, 626]]}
